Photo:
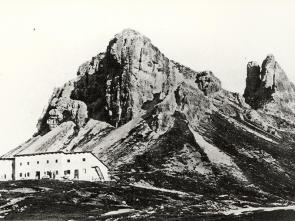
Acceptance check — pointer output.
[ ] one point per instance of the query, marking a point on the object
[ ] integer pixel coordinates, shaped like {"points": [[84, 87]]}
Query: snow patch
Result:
{"points": [[12, 202], [240, 211], [23, 190], [4, 210], [118, 212], [145, 185], [243, 127], [218, 157]]}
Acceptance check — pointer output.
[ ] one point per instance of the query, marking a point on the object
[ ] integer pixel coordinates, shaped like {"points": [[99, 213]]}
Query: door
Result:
{"points": [[76, 174], [38, 175]]}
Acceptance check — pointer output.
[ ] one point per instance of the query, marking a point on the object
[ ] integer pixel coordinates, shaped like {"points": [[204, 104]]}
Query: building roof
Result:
{"points": [[6, 158], [56, 152]]}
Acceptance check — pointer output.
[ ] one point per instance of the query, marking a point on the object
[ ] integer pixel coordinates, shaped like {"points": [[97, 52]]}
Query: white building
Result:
{"points": [[56, 165], [6, 169]]}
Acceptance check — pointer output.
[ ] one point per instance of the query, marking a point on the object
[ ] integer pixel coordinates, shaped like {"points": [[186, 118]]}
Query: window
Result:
{"points": [[76, 174], [4, 176], [37, 162], [56, 161], [84, 170], [68, 160], [67, 172], [28, 174], [56, 172], [20, 175], [84, 159], [20, 164], [28, 163], [47, 161]]}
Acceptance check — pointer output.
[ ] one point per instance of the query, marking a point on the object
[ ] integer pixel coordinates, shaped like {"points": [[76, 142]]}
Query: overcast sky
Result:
{"points": [[42, 43]]}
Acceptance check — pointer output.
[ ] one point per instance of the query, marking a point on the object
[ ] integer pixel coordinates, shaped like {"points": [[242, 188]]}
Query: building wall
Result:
{"points": [[6, 169], [79, 166], [85, 163], [26, 167]]}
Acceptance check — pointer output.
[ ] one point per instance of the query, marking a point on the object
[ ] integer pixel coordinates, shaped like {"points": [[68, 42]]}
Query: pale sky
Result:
{"points": [[221, 36]]}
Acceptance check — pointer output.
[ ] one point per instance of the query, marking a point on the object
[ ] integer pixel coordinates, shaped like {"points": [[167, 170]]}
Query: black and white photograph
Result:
{"points": [[134, 110]]}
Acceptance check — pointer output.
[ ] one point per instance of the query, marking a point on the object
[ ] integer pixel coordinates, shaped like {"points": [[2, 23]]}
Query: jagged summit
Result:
{"points": [[117, 86], [267, 84], [129, 33], [127, 45]]}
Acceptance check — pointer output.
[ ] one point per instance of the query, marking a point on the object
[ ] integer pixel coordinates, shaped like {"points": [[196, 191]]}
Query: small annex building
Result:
{"points": [[54, 165], [6, 169]]}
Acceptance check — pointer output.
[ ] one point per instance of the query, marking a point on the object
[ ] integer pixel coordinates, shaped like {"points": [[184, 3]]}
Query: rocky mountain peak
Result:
{"points": [[125, 82], [127, 46], [267, 84]]}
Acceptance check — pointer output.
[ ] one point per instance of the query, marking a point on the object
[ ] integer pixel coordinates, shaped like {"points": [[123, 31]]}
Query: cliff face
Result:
{"points": [[153, 120], [268, 83]]}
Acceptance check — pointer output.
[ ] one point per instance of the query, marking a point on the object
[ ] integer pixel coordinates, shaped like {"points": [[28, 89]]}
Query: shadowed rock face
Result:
{"points": [[253, 82], [152, 120], [268, 83]]}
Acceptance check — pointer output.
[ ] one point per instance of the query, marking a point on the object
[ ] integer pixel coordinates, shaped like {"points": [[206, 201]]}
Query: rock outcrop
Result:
{"points": [[268, 83], [253, 82], [62, 108], [207, 82]]}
